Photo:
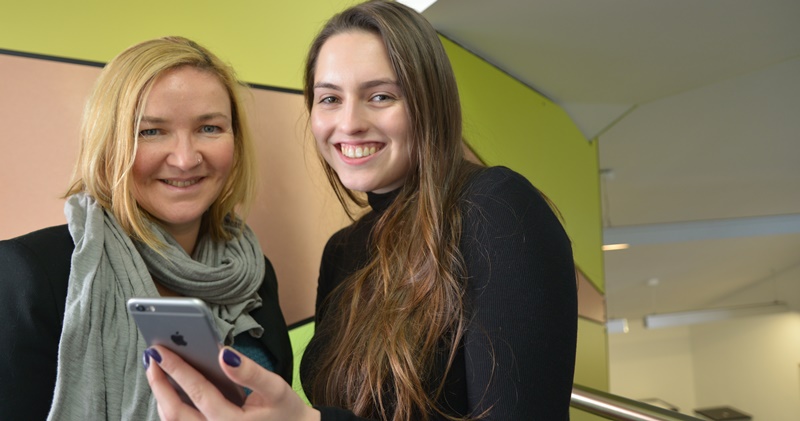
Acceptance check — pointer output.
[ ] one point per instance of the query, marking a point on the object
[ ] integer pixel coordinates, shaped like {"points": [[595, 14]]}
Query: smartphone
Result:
{"points": [[186, 327]]}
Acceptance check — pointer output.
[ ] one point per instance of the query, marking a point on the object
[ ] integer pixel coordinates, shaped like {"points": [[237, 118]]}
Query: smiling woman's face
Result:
{"points": [[185, 148], [359, 116]]}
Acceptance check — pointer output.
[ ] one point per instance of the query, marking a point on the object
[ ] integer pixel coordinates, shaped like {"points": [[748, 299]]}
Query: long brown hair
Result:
{"points": [[108, 137], [391, 318]]}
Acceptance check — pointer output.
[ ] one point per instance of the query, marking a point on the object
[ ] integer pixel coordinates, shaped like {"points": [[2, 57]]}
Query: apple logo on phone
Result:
{"points": [[177, 338]]}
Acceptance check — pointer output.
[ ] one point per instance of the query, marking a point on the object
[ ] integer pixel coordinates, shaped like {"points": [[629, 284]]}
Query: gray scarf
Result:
{"points": [[100, 374]]}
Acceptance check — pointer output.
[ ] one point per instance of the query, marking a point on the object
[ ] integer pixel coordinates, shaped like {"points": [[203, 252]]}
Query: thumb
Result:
{"points": [[271, 392], [250, 374]]}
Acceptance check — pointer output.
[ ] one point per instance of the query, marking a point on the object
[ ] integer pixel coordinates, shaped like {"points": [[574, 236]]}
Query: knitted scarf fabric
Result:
{"points": [[100, 374]]}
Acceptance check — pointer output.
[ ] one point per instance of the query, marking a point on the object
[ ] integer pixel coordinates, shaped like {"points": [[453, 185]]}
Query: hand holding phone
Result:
{"points": [[186, 327]]}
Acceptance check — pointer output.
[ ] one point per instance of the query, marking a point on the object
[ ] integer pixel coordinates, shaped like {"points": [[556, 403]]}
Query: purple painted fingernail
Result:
{"points": [[231, 358], [152, 353], [145, 360]]}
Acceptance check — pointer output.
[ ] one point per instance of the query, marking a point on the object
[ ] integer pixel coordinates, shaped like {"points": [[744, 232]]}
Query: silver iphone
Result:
{"points": [[185, 326]]}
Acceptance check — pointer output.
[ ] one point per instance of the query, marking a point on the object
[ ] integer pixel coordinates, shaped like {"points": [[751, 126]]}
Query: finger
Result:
{"points": [[170, 405], [205, 396]]}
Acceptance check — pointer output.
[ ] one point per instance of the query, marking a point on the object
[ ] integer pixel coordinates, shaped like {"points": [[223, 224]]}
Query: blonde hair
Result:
{"points": [[389, 319], [109, 135]]}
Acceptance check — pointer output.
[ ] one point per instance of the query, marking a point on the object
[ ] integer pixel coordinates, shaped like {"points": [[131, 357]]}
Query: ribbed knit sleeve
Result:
{"points": [[522, 298]]}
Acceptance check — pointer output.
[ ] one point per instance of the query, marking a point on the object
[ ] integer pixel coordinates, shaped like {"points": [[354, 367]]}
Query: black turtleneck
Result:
{"points": [[518, 354]]}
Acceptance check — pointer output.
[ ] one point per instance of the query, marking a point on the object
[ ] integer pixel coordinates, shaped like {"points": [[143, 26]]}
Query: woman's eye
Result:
{"points": [[210, 129], [148, 132], [382, 98], [327, 100]]}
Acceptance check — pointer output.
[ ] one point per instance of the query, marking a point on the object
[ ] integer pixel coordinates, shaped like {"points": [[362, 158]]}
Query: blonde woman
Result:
{"points": [[164, 166]]}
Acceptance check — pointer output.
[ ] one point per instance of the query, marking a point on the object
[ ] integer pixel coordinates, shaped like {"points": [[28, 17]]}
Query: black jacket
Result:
{"points": [[34, 273]]}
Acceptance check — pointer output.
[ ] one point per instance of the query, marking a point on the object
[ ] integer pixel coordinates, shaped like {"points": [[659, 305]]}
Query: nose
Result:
{"points": [[354, 119], [184, 154]]}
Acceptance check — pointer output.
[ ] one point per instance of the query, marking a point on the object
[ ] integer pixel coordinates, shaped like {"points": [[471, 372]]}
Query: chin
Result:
{"points": [[354, 184], [357, 189]]}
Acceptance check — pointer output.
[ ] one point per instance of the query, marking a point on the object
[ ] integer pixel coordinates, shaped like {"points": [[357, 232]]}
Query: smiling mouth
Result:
{"points": [[176, 183], [360, 151]]}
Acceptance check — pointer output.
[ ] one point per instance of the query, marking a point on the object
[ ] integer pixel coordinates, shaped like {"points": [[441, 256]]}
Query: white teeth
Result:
{"points": [[351, 151], [180, 183]]}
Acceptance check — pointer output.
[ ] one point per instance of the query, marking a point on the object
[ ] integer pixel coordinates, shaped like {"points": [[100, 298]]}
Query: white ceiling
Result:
{"points": [[696, 105]]}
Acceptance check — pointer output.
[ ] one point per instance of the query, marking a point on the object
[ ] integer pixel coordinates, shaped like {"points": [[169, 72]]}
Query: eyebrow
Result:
{"points": [[152, 120], [211, 116], [365, 85], [202, 117]]}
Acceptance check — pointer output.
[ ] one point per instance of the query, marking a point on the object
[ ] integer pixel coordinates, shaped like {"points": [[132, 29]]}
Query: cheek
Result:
{"points": [[403, 136], [142, 166], [139, 179], [396, 123], [226, 157], [319, 127], [400, 131], [320, 137]]}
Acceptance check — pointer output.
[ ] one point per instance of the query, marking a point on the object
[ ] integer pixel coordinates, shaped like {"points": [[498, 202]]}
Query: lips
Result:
{"points": [[181, 183]]}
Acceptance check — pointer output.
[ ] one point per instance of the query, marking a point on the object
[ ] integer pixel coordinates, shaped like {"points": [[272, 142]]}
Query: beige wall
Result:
{"points": [[751, 364], [653, 364]]}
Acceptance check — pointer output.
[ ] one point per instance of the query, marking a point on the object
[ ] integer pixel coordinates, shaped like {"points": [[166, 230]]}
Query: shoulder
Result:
{"points": [[34, 279], [43, 255], [492, 176], [46, 238], [498, 192], [500, 184], [502, 210], [351, 239]]}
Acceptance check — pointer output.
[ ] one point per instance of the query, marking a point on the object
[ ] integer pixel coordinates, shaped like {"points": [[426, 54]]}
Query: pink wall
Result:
{"points": [[296, 211], [40, 108]]}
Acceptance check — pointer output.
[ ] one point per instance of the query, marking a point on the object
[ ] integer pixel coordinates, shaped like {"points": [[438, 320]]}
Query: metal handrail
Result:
{"points": [[615, 407]]}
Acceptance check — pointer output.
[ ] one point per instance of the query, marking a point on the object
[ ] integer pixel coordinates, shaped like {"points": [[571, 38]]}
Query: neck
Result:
{"points": [[186, 236], [187, 241]]}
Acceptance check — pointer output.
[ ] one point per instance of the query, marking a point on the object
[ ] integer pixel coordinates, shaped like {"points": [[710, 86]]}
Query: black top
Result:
{"points": [[518, 354], [34, 273]]}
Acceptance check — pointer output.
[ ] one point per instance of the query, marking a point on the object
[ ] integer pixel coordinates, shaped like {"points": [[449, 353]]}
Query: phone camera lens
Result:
{"points": [[140, 307]]}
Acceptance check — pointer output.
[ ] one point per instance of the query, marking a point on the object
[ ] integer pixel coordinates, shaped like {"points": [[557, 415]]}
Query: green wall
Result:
{"points": [[264, 40], [506, 122]]}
